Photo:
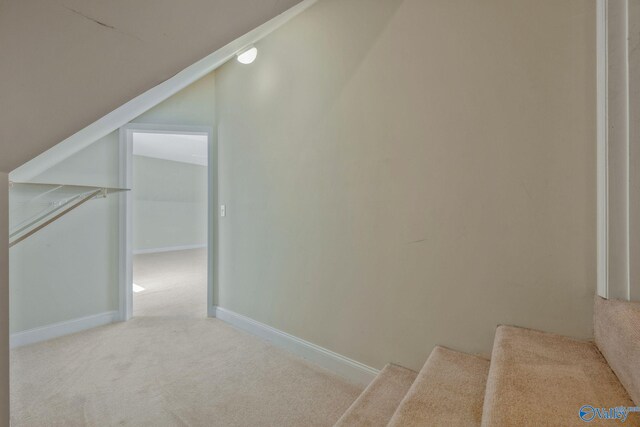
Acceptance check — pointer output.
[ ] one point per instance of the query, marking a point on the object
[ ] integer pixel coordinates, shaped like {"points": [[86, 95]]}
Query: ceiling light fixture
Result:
{"points": [[247, 55]]}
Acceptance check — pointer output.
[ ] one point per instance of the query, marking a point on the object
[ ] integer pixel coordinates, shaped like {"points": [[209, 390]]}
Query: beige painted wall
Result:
{"points": [[4, 301], [192, 106], [69, 269], [401, 174], [169, 204]]}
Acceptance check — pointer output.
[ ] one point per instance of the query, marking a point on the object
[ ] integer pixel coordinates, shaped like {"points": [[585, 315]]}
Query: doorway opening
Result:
{"points": [[166, 221]]}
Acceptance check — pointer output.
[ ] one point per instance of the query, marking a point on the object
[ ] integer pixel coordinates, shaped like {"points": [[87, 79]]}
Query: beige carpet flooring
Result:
{"points": [[175, 284], [379, 401], [538, 377], [177, 369], [448, 391]]}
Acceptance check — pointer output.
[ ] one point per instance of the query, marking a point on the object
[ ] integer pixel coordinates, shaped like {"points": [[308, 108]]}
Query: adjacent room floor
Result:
{"points": [[175, 283], [170, 366]]}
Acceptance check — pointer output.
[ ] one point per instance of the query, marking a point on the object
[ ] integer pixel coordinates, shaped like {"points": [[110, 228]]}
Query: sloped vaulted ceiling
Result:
{"points": [[66, 63]]}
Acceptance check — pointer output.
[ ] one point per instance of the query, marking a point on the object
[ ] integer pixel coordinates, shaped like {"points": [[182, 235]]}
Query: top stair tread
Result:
{"points": [[617, 334], [539, 378], [377, 403], [448, 391]]}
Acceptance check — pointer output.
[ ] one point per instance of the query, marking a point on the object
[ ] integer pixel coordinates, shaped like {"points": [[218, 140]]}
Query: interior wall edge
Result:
{"points": [[4, 300]]}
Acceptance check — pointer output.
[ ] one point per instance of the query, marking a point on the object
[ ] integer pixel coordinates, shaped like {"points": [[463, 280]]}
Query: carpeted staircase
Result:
{"points": [[533, 379]]}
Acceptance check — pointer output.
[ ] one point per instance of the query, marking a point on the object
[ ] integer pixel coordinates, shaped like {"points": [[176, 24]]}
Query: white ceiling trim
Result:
{"points": [[149, 99]]}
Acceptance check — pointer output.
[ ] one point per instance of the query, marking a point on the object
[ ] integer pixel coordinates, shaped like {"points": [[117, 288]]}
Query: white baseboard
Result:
{"points": [[168, 249], [349, 369], [59, 329]]}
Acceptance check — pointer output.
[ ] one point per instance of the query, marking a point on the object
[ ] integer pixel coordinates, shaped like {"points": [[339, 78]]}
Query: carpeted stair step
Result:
{"points": [[447, 392], [379, 400], [617, 334], [538, 378]]}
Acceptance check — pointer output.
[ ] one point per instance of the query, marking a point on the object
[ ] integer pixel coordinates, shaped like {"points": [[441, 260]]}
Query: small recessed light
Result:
{"points": [[247, 55]]}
